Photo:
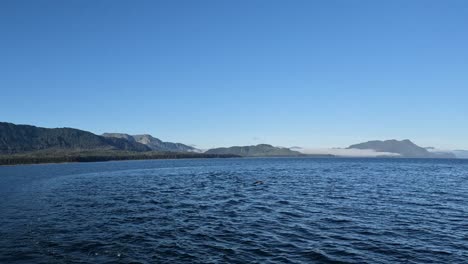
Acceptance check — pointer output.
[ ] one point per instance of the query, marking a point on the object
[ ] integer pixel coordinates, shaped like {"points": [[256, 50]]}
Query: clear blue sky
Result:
{"points": [[219, 73]]}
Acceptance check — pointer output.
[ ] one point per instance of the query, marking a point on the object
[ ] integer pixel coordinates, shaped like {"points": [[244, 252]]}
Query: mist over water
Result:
{"points": [[304, 210]]}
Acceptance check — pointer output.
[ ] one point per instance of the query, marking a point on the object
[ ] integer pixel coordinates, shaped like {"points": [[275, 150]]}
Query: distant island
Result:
{"points": [[261, 150], [405, 148], [23, 144]]}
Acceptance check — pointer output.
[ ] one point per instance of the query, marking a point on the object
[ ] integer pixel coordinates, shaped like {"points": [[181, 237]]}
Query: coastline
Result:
{"points": [[39, 158]]}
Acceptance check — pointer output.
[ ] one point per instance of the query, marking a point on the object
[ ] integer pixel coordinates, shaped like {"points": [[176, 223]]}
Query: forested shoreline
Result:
{"points": [[41, 157]]}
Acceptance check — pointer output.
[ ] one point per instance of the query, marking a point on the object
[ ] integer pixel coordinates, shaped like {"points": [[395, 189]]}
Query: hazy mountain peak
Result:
{"points": [[155, 143]]}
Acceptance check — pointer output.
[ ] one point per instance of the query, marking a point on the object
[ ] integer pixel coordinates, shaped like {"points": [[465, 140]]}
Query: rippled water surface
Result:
{"points": [[210, 211]]}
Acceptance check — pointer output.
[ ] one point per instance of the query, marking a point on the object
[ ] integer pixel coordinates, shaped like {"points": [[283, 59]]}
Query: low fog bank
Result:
{"points": [[345, 152]]}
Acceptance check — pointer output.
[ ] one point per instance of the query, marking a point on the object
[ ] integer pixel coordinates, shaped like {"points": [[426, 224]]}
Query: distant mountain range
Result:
{"points": [[262, 150], [405, 148], [37, 142], [153, 143], [25, 138], [25, 144]]}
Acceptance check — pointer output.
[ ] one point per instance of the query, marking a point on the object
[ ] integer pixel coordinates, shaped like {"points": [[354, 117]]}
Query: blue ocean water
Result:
{"points": [[277, 210]]}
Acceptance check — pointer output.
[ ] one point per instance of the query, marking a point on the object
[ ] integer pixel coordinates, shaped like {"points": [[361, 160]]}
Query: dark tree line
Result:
{"points": [[36, 158]]}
